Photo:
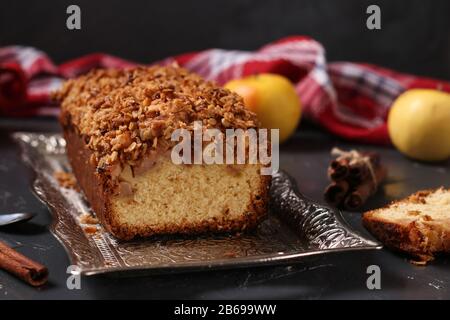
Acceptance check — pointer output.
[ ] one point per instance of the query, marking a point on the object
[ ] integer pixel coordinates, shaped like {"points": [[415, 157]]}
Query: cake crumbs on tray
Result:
{"points": [[87, 218], [90, 229], [89, 223], [66, 180]]}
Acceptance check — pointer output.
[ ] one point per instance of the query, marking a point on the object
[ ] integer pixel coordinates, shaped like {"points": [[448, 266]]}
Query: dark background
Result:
{"points": [[415, 34], [415, 38]]}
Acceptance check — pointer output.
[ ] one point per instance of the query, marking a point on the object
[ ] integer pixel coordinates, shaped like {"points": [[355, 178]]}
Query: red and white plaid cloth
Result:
{"points": [[349, 99]]}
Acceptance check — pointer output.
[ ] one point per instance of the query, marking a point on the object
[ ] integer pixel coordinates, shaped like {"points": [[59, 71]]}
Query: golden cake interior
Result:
{"points": [[184, 197], [432, 209]]}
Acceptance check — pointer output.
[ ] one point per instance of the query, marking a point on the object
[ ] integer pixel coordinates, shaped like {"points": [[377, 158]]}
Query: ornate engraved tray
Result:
{"points": [[295, 227]]}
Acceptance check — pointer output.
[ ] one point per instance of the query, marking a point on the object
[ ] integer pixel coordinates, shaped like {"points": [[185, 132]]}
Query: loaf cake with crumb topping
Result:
{"points": [[418, 225], [118, 126]]}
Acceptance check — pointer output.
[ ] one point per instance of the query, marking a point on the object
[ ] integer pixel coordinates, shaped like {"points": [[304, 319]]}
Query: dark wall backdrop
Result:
{"points": [[415, 34]]}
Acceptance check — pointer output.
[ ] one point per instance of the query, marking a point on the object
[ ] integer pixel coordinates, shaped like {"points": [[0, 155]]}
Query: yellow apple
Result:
{"points": [[274, 100], [419, 124]]}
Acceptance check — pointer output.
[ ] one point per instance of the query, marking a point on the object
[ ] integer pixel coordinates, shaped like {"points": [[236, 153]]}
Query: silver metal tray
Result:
{"points": [[296, 227]]}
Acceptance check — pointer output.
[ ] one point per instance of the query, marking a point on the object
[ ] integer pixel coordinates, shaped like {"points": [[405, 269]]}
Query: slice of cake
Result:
{"points": [[418, 225], [118, 126]]}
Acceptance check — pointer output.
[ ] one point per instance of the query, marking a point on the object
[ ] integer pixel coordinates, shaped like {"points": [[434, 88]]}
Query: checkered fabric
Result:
{"points": [[349, 99]]}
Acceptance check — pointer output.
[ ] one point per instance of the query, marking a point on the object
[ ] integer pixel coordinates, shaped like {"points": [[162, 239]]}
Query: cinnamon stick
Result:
{"points": [[354, 176], [362, 192], [336, 192], [338, 169], [24, 268], [358, 172]]}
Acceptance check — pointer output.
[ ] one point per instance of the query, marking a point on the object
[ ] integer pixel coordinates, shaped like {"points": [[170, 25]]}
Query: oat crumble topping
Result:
{"points": [[125, 114]]}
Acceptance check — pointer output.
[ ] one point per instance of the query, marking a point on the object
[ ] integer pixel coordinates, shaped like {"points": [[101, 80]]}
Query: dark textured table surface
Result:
{"points": [[332, 276]]}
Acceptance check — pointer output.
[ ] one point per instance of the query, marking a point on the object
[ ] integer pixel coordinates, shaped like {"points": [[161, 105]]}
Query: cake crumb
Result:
{"points": [[90, 229], [66, 180], [87, 218]]}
